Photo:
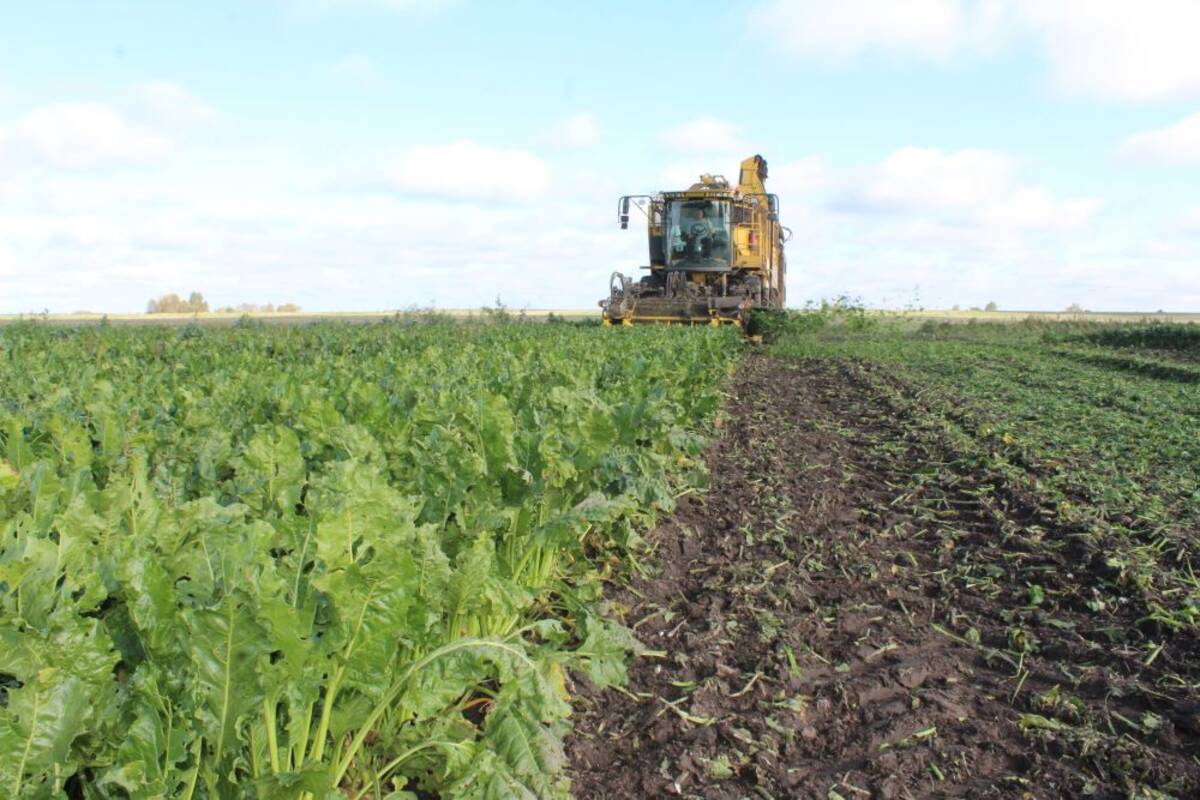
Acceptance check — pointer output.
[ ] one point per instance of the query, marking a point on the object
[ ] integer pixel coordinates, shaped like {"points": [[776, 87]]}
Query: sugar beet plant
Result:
{"points": [[322, 562]]}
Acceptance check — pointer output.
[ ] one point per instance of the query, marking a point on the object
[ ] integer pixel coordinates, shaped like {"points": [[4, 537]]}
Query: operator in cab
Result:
{"points": [[697, 234]]}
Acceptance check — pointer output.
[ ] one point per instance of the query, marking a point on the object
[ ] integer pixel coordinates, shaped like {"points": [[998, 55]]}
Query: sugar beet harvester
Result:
{"points": [[716, 253]]}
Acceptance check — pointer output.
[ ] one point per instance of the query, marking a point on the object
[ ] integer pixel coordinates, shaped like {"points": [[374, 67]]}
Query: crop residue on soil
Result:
{"points": [[812, 634]]}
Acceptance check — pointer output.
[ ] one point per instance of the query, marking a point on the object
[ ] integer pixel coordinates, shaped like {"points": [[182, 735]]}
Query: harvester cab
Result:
{"points": [[716, 253]]}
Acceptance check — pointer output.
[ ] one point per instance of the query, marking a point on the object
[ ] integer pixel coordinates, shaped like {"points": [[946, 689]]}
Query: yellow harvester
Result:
{"points": [[716, 253]]}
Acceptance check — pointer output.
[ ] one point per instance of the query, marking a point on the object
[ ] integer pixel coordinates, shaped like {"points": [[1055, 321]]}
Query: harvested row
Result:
{"points": [[859, 608]]}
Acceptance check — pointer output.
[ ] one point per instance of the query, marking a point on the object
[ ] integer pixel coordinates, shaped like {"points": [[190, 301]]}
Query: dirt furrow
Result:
{"points": [[803, 626]]}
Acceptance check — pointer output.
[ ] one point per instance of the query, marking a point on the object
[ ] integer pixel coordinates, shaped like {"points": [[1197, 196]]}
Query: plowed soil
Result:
{"points": [[810, 631]]}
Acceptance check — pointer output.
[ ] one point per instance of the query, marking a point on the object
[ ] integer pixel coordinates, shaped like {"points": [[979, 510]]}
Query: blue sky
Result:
{"points": [[376, 154]]}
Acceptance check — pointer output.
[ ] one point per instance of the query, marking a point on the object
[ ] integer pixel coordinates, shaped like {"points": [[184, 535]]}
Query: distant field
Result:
{"points": [[280, 318], [572, 313], [1061, 316]]}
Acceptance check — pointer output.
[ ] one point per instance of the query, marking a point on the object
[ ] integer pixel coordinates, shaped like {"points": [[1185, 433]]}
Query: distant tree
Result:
{"points": [[955, 307], [196, 302], [1075, 308], [174, 304], [991, 306], [165, 304]]}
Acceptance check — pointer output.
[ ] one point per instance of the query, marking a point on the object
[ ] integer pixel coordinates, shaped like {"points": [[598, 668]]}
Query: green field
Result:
{"points": [[387, 560], [1102, 415], [225, 319], [321, 561], [363, 317]]}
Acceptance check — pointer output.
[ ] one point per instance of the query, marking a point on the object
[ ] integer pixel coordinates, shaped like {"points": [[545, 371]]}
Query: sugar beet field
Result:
{"points": [[415, 559]]}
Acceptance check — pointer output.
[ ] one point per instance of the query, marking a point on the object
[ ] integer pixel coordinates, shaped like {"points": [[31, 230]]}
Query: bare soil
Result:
{"points": [[816, 627]]}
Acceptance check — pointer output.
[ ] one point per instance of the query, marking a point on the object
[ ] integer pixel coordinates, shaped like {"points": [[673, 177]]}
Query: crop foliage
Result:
{"points": [[329, 561]]}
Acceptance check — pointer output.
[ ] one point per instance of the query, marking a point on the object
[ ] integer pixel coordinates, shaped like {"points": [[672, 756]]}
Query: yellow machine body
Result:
{"points": [[716, 253]]}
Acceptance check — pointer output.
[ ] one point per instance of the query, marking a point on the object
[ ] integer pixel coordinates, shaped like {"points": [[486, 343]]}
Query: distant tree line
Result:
{"points": [[255, 308], [174, 304], [196, 304]]}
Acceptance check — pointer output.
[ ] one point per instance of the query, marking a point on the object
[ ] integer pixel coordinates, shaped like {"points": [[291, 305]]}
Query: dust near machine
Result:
{"points": [[716, 254]]}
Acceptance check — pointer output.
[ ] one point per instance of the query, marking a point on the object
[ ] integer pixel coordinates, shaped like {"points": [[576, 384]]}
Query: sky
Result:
{"points": [[390, 154]]}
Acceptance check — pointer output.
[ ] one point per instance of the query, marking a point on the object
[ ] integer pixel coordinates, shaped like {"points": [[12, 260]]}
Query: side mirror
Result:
{"points": [[623, 216]]}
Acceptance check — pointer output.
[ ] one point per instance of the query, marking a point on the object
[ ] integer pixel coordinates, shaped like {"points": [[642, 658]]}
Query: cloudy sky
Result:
{"points": [[377, 154]]}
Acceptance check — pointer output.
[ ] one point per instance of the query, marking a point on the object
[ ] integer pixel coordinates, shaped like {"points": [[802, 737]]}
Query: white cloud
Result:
{"points": [[579, 131], [1032, 207], [932, 228], [703, 135], [963, 188], [8, 262], [931, 179], [1143, 50], [172, 104], [843, 29], [1120, 49], [798, 179], [467, 170], [80, 136], [109, 241], [1174, 144], [357, 69]]}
